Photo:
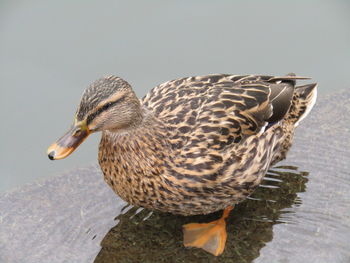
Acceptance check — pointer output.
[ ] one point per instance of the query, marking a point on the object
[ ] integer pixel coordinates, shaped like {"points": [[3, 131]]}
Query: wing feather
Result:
{"points": [[208, 116]]}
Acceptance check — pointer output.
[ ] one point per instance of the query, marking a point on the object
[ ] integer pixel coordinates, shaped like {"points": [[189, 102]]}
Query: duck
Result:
{"points": [[193, 145]]}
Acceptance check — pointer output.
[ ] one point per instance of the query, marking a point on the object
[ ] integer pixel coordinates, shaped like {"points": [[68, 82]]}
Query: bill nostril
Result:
{"points": [[51, 155]]}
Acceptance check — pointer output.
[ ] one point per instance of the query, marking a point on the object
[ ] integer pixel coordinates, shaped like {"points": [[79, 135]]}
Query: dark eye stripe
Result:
{"points": [[105, 107]]}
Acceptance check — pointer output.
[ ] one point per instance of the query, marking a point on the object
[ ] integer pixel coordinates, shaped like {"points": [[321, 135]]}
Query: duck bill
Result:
{"points": [[67, 143]]}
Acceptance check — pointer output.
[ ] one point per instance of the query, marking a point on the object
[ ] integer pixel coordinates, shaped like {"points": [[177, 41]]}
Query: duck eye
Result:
{"points": [[107, 105]]}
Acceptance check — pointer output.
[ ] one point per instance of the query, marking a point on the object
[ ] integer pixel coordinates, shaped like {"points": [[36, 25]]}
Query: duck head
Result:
{"points": [[107, 104]]}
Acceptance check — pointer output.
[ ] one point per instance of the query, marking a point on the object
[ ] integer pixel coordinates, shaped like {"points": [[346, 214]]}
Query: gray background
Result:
{"points": [[51, 50]]}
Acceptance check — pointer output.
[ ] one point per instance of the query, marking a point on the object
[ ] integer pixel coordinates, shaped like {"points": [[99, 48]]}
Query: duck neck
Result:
{"points": [[136, 150]]}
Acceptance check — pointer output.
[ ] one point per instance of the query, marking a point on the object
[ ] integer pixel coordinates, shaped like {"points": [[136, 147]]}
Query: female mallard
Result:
{"points": [[192, 145]]}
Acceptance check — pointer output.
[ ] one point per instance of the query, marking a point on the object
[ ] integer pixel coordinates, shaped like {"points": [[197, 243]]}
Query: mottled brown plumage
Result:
{"points": [[201, 144]]}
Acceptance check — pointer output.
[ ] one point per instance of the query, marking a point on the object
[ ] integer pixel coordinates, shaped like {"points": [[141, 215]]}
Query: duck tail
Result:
{"points": [[304, 99]]}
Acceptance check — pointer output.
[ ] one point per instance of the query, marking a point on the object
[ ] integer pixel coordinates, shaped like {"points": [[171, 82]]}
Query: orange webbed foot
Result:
{"points": [[211, 236]]}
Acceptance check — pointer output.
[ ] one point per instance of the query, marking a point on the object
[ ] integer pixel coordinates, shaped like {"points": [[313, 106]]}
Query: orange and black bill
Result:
{"points": [[67, 143]]}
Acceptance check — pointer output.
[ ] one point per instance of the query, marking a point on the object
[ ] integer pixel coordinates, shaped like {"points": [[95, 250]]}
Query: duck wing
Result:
{"points": [[218, 110], [209, 116]]}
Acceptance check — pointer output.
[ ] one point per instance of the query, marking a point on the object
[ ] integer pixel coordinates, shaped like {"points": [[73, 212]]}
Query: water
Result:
{"points": [[301, 213], [51, 50]]}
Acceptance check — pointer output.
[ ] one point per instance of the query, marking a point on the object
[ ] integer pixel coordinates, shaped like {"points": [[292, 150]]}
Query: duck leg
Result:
{"points": [[209, 236]]}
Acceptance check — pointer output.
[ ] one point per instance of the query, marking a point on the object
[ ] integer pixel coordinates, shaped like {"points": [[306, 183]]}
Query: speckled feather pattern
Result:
{"points": [[202, 144]]}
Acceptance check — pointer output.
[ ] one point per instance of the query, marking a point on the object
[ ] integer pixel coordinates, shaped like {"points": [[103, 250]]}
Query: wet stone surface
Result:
{"points": [[301, 212]]}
